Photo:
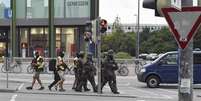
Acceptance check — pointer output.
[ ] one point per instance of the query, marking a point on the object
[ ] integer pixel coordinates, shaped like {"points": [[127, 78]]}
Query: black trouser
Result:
{"points": [[91, 79], [56, 79], [81, 80], [76, 79], [109, 77]]}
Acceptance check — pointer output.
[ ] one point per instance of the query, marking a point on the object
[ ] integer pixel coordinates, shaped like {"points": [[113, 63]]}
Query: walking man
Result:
{"points": [[37, 64]]}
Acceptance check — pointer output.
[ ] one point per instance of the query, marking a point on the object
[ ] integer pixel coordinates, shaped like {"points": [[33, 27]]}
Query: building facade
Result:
{"points": [[133, 27], [70, 17]]}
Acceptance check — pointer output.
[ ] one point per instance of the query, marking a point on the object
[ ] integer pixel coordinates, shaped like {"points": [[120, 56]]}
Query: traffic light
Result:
{"points": [[156, 5], [103, 26], [88, 31]]}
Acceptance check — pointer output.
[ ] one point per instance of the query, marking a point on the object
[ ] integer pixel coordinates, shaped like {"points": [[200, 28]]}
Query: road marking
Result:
{"points": [[153, 95], [140, 100], [13, 97], [20, 86], [172, 92]]}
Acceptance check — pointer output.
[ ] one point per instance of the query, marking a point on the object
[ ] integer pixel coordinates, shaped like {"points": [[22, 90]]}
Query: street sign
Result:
{"points": [[7, 13], [183, 24], [176, 3]]}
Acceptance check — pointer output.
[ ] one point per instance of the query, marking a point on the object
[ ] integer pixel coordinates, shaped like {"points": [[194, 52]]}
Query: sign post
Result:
{"points": [[184, 25]]}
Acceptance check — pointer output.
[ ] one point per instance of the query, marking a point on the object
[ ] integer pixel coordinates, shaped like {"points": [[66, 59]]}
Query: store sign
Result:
{"points": [[77, 8], [77, 3]]}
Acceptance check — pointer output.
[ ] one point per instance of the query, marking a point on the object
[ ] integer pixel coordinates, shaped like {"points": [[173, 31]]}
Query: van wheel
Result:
{"points": [[152, 81]]}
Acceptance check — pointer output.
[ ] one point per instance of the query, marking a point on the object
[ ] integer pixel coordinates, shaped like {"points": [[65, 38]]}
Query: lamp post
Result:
{"points": [[138, 37]]}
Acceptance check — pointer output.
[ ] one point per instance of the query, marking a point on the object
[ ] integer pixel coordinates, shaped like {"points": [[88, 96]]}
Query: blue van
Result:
{"points": [[165, 70]]}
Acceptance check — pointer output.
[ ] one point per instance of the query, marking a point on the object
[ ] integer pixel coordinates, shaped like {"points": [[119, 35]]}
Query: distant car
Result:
{"points": [[143, 55], [152, 56], [165, 70]]}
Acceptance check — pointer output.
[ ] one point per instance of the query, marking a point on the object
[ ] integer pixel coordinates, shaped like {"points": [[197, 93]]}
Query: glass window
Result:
{"points": [[170, 59], [77, 8], [4, 4], [67, 41], [38, 40], [20, 8], [59, 8], [37, 9]]}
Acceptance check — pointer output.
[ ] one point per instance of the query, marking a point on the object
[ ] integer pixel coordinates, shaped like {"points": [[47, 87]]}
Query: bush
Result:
{"points": [[122, 55]]}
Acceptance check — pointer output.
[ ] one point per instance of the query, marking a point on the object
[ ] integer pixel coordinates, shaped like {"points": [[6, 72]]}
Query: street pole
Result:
{"points": [[186, 67], [138, 37], [52, 35], [98, 42], [13, 39]]}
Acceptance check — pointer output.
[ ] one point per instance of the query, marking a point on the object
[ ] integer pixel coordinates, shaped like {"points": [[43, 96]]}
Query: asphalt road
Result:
{"points": [[130, 90]]}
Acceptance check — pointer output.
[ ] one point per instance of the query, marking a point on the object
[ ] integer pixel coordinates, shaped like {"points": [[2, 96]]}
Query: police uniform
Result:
{"points": [[108, 72], [89, 72], [81, 79]]}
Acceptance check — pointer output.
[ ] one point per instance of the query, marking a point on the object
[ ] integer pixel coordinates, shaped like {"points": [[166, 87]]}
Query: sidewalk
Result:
{"points": [[10, 87], [69, 91]]}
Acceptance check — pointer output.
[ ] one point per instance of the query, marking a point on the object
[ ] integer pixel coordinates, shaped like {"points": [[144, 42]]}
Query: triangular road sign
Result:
{"points": [[184, 23]]}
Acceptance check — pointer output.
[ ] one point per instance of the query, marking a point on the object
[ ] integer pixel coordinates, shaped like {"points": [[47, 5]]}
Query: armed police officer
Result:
{"points": [[108, 72], [81, 79], [89, 71]]}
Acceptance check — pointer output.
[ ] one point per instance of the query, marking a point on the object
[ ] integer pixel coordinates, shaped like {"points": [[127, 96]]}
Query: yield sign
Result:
{"points": [[184, 23]]}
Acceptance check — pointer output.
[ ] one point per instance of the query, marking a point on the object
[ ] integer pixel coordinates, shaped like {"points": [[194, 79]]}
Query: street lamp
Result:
{"points": [[138, 37], [135, 23]]}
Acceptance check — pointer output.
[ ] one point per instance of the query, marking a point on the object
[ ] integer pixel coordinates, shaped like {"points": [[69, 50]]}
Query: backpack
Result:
{"points": [[52, 65]]}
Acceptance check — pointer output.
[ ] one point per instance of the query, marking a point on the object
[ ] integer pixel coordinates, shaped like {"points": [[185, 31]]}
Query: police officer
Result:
{"points": [[90, 71], [37, 64], [108, 72], [81, 78]]}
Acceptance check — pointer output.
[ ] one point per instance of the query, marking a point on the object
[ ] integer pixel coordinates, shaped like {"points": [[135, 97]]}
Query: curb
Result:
{"points": [[79, 94], [8, 90]]}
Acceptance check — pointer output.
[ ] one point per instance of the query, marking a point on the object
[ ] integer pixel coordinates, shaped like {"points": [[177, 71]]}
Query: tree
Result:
{"points": [[116, 27]]}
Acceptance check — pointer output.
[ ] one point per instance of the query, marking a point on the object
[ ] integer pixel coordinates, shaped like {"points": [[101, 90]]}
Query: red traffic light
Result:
{"points": [[103, 26], [103, 22]]}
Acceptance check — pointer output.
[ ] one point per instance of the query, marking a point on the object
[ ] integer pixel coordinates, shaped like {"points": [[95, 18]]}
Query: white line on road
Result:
{"points": [[153, 95], [169, 91], [20, 86], [13, 97]]}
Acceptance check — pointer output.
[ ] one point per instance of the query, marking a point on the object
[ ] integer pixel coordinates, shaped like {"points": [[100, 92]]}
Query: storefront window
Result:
{"points": [[24, 42], [67, 41], [38, 41], [77, 8]]}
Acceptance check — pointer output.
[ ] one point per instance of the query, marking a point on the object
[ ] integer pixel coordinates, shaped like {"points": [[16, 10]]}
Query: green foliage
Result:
{"points": [[122, 55], [118, 41], [157, 42], [160, 41]]}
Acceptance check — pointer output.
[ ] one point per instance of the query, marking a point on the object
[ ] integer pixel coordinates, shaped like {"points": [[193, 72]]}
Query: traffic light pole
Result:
{"points": [[138, 37], [186, 68], [98, 39]]}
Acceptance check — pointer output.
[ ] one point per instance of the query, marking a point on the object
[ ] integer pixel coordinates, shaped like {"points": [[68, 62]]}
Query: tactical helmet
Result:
{"points": [[110, 52]]}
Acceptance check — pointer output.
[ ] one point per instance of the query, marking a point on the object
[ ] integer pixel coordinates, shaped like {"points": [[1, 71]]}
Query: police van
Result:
{"points": [[165, 70]]}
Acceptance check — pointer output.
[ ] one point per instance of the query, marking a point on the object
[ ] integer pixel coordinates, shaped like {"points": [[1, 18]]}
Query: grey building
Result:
{"points": [[70, 18]]}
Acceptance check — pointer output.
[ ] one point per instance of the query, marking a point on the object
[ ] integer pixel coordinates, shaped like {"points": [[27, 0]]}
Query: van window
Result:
{"points": [[170, 59], [197, 58]]}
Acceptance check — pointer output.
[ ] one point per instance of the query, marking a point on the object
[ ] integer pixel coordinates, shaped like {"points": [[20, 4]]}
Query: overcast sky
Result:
{"points": [[126, 10]]}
